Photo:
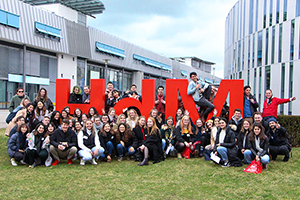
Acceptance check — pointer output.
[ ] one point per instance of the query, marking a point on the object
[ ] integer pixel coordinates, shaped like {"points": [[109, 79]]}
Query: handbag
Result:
{"points": [[254, 167], [187, 153]]}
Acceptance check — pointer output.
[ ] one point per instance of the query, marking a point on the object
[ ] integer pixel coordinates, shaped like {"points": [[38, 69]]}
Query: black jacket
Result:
{"points": [[59, 136], [48, 104], [278, 138], [154, 144], [238, 124], [75, 98], [264, 144], [184, 137], [106, 138], [138, 138], [240, 140]]}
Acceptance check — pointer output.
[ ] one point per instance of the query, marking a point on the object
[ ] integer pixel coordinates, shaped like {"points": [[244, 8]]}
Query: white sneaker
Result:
{"points": [[13, 162], [179, 155], [82, 162], [23, 162], [93, 161]]}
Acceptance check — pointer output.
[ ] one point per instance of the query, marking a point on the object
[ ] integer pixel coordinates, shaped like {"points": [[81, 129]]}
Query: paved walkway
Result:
{"points": [[3, 115]]}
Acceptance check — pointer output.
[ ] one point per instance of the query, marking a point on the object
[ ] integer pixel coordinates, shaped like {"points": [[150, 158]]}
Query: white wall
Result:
{"points": [[62, 11], [66, 68]]}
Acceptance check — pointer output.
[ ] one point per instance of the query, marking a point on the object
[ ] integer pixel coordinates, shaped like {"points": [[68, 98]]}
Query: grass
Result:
{"points": [[171, 179]]}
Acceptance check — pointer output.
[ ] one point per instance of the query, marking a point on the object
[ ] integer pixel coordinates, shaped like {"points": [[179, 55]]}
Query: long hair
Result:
{"points": [[129, 118], [102, 131], [95, 113], [127, 133], [189, 128], [76, 86], [119, 118], [197, 128], [92, 130], [36, 128], [250, 126], [38, 97], [159, 119], [38, 111], [154, 127], [261, 135], [137, 124]]}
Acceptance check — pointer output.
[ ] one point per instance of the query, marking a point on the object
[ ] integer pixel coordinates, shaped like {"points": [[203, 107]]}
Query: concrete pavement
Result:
{"points": [[3, 115]]}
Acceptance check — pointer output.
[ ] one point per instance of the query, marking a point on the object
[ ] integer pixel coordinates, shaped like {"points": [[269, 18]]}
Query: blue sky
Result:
{"points": [[169, 27]]}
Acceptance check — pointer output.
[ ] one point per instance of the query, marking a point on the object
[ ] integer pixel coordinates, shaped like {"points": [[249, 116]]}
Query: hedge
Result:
{"points": [[292, 125]]}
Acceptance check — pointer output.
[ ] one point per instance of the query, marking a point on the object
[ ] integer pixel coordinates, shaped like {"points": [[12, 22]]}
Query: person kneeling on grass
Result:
{"points": [[17, 144], [152, 145], [258, 144], [89, 144], [63, 143], [225, 145]]}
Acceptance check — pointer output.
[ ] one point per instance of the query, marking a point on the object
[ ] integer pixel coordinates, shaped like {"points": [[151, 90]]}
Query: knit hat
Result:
{"points": [[272, 120]]}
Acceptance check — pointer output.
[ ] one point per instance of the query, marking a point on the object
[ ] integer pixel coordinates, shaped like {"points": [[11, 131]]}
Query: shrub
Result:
{"points": [[292, 125]]}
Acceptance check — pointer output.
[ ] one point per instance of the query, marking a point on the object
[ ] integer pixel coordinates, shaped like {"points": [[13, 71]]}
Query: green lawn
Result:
{"points": [[171, 179]]}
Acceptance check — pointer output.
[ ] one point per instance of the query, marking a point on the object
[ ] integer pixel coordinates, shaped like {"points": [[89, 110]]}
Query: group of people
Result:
{"points": [[40, 135]]}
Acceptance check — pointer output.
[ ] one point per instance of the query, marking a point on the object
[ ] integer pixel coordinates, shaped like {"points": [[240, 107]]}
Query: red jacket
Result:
{"points": [[271, 108]]}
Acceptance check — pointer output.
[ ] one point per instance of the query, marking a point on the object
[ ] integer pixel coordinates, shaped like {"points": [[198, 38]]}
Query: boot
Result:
{"points": [[145, 162]]}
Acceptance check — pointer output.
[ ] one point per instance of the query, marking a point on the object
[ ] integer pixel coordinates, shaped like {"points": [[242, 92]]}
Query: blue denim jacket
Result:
{"points": [[196, 92]]}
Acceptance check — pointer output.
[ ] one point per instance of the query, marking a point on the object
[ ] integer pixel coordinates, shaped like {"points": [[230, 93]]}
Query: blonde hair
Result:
{"points": [[154, 127], [189, 128], [129, 120]]}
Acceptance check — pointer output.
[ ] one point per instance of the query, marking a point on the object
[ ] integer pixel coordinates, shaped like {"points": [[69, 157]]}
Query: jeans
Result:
{"points": [[248, 156], [122, 150], [163, 141], [222, 151], [203, 102], [110, 147], [86, 155]]}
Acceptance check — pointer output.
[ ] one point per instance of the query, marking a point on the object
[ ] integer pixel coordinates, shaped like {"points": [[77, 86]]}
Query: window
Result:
{"points": [[292, 39], [251, 17], [282, 87], [277, 11], [110, 50], [81, 73], [291, 86], [298, 8], [9, 19], [48, 31], [253, 50], [280, 43], [273, 44], [271, 12], [268, 77], [259, 48], [265, 13], [267, 46], [152, 63], [254, 92], [184, 73], [285, 10]]}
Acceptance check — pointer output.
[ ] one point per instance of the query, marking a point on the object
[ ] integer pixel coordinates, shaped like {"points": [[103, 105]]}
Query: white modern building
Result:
{"points": [[42, 40], [262, 39]]}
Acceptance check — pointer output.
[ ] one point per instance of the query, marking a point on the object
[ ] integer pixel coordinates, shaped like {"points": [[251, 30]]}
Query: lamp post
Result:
{"points": [[105, 71]]}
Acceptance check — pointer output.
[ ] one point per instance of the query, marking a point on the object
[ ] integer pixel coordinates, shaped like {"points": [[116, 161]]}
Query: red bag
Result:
{"points": [[254, 167], [187, 152]]}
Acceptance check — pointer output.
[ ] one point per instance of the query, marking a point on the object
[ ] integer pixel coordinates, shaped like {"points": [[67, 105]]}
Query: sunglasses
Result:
{"points": [[21, 91]]}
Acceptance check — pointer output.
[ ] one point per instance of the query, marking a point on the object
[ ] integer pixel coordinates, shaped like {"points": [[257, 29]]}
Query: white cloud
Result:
{"points": [[172, 28]]}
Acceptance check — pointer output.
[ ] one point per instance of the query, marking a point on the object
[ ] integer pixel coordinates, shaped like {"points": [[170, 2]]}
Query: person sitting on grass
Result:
{"points": [[168, 136], [89, 144], [16, 145], [63, 143], [152, 145], [107, 141], [243, 138], [185, 136], [258, 144], [124, 140], [279, 144], [225, 143], [35, 153], [140, 134]]}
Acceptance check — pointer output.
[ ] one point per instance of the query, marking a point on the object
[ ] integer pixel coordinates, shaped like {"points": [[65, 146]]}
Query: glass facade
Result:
{"points": [[271, 12], [298, 8], [81, 73], [277, 10], [251, 17], [265, 13], [282, 87], [280, 44], [291, 78], [284, 10], [259, 48], [273, 44], [268, 77], [292, 39], [267, 46]]}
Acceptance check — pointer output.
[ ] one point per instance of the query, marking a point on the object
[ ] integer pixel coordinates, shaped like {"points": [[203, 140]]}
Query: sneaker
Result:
{"points": [[23, 162], [93, 161], [70, 162], [108, 159], [226, 164], [13, 162], [32, 166], [55, 162], [196, 153], [82, 162], [179, 155], [265, 167], [120, 158]]}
